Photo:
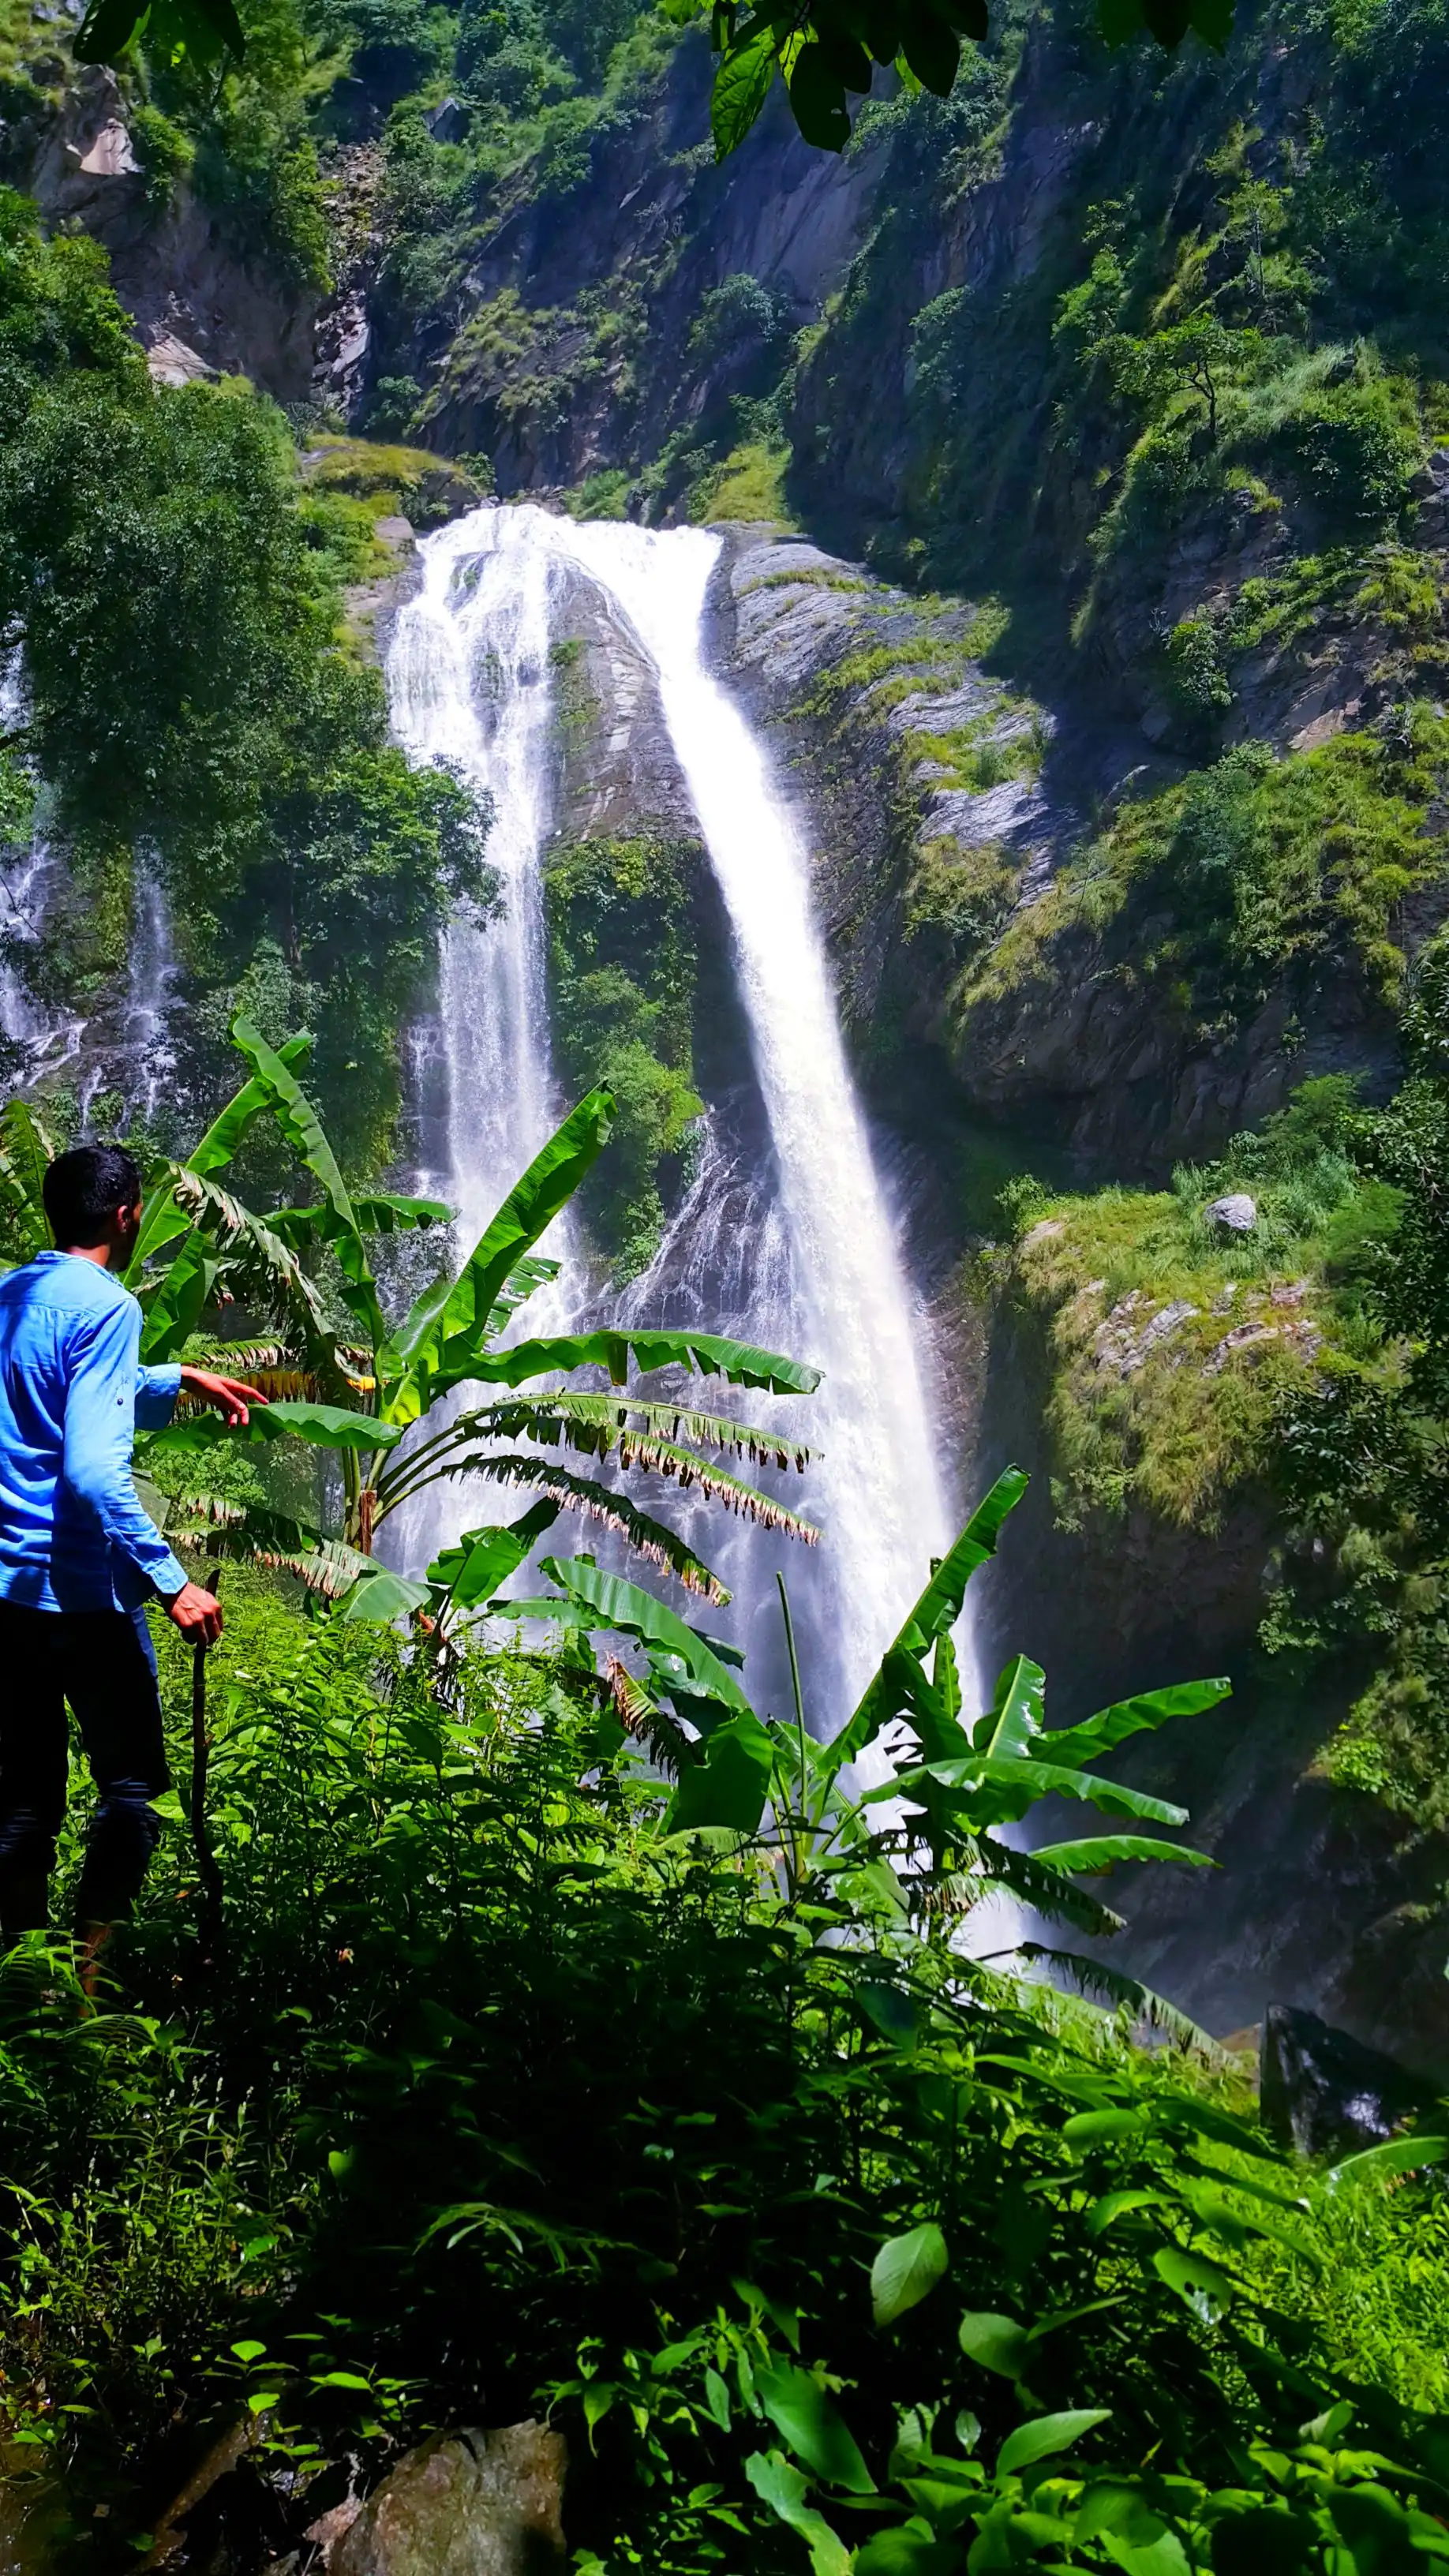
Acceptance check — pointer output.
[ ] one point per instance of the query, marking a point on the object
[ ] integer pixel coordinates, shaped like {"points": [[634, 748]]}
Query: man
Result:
{"points": [[78, 1555]]}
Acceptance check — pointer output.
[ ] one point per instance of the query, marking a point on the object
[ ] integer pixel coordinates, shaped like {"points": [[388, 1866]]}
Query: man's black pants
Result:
{"points": [[104, 1663]]}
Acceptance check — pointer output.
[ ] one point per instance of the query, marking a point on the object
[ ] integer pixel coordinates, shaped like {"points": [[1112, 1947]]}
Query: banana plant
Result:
{"points": [[924, 1847], [26, 1146], [386, 1397]]}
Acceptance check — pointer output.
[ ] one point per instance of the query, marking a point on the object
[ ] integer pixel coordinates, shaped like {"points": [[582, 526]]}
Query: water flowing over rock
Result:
{"points": [[807, 1260]]}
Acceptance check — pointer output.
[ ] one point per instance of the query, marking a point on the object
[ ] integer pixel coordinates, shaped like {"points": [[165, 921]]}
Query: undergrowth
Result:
{"points": [[495, 2101]]}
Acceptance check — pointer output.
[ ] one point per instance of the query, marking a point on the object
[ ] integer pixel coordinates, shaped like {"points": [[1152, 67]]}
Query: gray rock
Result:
{"points": [[448, 122], [1325, 2093], [470, 2504], [110, 155], [1236, 1214]]}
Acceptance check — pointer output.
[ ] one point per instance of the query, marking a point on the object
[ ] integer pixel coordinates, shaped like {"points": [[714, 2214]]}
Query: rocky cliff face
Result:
{"points": [[201, 306], [1322, 1897]]}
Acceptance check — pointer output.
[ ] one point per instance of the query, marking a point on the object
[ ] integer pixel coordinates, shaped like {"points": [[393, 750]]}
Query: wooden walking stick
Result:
{"points": [[206, 1864]]}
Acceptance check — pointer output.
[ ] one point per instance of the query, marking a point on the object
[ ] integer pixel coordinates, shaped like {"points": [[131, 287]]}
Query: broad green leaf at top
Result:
{"points": [[936, 1611], [445, 1331]]}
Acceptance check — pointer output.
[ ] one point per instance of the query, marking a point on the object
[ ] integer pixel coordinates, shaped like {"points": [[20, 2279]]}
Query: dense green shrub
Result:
{"points": [[255, 154], [1356, 446], [164, 151]]}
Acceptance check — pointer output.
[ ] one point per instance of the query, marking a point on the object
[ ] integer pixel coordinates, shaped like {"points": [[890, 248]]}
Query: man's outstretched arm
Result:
{"points": [[158, 1388]]}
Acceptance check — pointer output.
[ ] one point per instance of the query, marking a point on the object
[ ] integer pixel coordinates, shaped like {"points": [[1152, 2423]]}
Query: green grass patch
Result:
{"points": [[1006, 741], [749, 484], [1171, 1340]]}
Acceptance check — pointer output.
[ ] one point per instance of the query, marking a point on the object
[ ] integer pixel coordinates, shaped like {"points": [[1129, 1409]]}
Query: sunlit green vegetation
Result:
{"points": [[178, 608]]}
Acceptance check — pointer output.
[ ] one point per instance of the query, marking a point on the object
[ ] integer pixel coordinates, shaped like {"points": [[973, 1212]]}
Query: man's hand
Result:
{"points": [[228, 1395], [197, 1614]]}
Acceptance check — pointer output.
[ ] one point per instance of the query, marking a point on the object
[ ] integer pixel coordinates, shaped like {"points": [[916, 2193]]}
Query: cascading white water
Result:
{"points": [[468, 683], [139, 1058], [799, 1249], [146, 1025]]}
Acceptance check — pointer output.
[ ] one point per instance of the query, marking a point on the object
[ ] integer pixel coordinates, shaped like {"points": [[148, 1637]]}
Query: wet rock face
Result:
{"points": [[1327, 2094], [617, 768], [471, 2504], [943, 808]]}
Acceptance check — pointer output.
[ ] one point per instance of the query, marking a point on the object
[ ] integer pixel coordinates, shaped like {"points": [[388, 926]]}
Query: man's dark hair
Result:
{"points": [[83, 1189]]}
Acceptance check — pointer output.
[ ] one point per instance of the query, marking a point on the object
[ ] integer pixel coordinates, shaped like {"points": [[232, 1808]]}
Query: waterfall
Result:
{"points": [[148, 1054], [787, 1230], [468, 683], [134, 1054]]}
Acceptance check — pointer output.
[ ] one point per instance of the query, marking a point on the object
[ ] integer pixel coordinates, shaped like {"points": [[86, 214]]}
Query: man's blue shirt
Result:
{"points": [[73, 1535]]}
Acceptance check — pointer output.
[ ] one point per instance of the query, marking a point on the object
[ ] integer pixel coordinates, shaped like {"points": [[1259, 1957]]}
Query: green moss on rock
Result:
{"points": [[622, 969], [1170, 1340]]}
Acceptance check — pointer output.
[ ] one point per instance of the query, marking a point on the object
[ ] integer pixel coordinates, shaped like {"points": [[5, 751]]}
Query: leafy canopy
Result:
{"points": [[825, 52]]}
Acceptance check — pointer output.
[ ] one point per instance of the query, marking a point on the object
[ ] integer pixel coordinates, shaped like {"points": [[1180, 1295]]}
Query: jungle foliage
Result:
{"points": [[865, 2255], [1308, 1358], [177, 612], [339, 1374]]}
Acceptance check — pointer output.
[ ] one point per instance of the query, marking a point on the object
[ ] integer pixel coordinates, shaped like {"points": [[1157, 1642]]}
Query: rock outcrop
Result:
{"points": [[471, 2504], [200, 305]]}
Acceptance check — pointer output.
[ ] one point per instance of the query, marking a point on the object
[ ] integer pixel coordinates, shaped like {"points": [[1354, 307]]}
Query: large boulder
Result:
{"points": [[1327, 2094], [1235, 1214], [465, 2504]]}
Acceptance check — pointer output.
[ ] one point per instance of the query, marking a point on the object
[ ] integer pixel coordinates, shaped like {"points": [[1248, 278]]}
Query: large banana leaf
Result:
{"points": [[994, 1790], [183, 1292], [1106, 1985], [730, 1786], [652, 1457], [26, 1147], [1050, 1892], [376, 1211], [649, 1538], [327, 1566], [534, 1271], [326, 1426], [256, 1262], [448, 1326], [599, 1424], [1096, 1735], [162, 1220], [1015, 1715], [337, 1219], [221, 1139], [1104, 1851], [934, 1614], [613, 1603], [708, 1354], [485, 1558], [380, 1596]]}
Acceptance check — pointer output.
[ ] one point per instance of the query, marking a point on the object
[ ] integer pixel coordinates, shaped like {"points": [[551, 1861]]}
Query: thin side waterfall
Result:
{"points": [[785, 1236], [468, 682], [146, 1031]]}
